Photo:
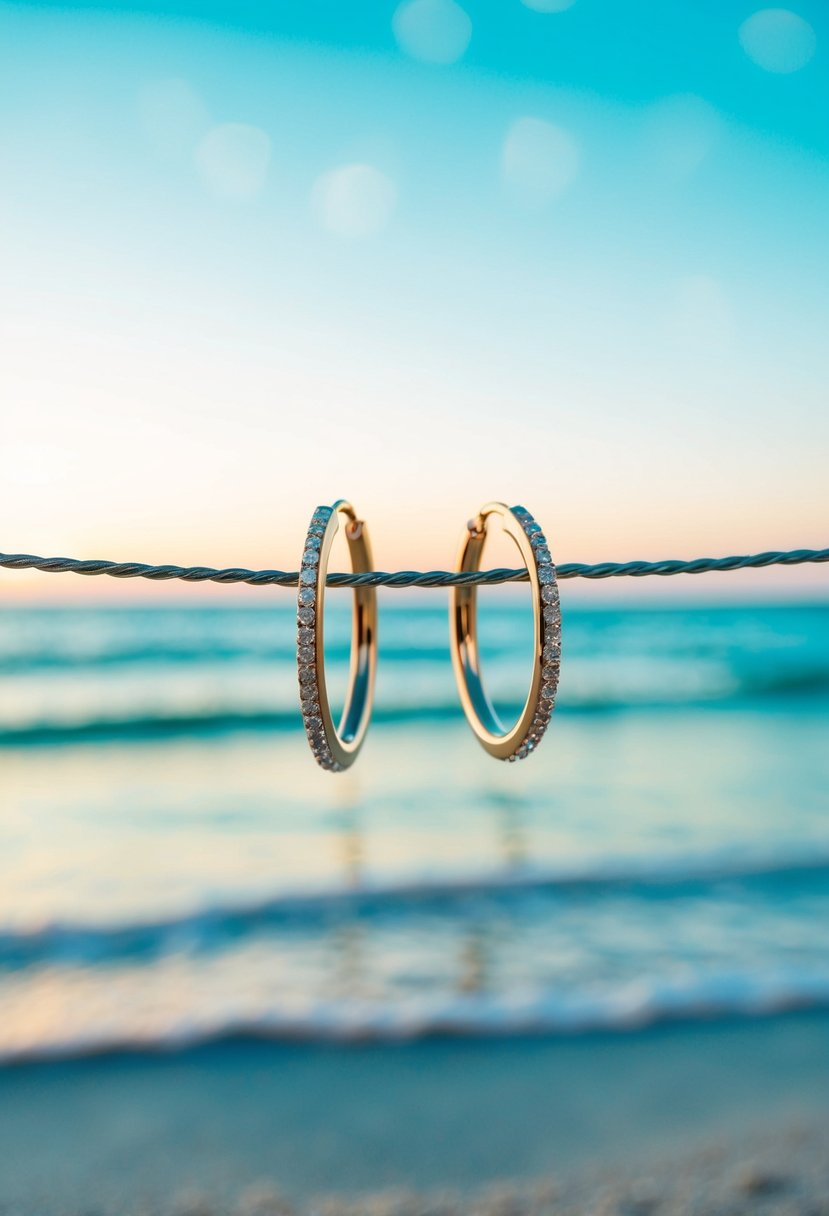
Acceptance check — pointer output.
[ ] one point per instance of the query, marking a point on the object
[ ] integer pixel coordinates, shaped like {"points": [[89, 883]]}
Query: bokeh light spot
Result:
{"points": [[433, 31], [354, 200], [539, 162], [233, 160], [778, 40]]}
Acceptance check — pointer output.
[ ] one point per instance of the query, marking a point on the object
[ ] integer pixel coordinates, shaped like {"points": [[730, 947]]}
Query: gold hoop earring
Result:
{"points": [[335, 748], [522, 738]]}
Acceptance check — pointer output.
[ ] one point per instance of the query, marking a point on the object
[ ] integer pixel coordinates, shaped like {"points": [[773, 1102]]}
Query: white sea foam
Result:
{"points": [[70, 1032]]}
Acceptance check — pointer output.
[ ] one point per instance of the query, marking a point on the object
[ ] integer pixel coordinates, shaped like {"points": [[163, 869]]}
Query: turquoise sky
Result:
{"points": [[256, 256]]}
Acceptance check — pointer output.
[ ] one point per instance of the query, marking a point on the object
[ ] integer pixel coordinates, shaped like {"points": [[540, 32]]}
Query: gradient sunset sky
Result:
{"points": [[260, 256]]}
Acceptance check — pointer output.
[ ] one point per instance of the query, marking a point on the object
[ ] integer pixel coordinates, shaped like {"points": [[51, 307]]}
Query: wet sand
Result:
{"points": [[705, 1118]]}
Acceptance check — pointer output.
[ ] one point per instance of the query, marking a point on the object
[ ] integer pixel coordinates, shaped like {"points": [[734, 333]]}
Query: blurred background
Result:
{"points": [[255, 257]]}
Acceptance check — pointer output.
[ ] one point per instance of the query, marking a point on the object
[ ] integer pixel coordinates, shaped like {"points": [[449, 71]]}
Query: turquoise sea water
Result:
{"points": [[173, 866]]}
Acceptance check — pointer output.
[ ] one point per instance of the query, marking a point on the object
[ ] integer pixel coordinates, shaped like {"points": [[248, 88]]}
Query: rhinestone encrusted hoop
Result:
{"points": [[550, 609], [516, 741], [309, 641], [335, 748]]}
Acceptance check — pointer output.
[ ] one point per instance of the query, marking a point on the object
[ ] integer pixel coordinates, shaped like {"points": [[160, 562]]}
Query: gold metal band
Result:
{"points": [[335, 748], [519, 740]]}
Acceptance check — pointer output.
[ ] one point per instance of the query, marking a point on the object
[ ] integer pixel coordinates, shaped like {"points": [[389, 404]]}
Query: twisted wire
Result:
{"points": [[405, 578]]}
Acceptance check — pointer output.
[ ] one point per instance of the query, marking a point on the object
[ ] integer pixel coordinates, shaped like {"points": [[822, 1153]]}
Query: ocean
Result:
{"points": [[175, 869]]}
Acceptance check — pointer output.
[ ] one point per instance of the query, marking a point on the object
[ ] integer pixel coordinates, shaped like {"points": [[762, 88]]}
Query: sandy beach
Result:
{"points": [[706, 1118], [785, 1171]]}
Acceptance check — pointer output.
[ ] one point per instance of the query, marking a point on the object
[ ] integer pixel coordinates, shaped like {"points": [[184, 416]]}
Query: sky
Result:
{"points": [[255, 257]]}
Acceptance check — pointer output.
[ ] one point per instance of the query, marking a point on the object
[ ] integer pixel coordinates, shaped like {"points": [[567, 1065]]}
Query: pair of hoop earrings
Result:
{"points": [[336, 747]]}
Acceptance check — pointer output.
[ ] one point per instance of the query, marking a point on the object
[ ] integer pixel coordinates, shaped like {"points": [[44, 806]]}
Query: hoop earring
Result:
{"points": [[335, 748], [519, 740]]}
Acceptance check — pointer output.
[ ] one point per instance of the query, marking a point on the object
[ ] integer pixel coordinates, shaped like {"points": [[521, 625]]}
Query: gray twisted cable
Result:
{"points": [[406, 578]]}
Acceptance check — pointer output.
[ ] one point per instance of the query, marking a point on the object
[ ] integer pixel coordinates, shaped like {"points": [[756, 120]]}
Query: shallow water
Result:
{"points": [[174, 867]]}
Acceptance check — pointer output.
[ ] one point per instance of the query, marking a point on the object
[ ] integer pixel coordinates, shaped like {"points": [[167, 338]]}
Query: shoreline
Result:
{"points": [[384, 1036], [127, 1132]]}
